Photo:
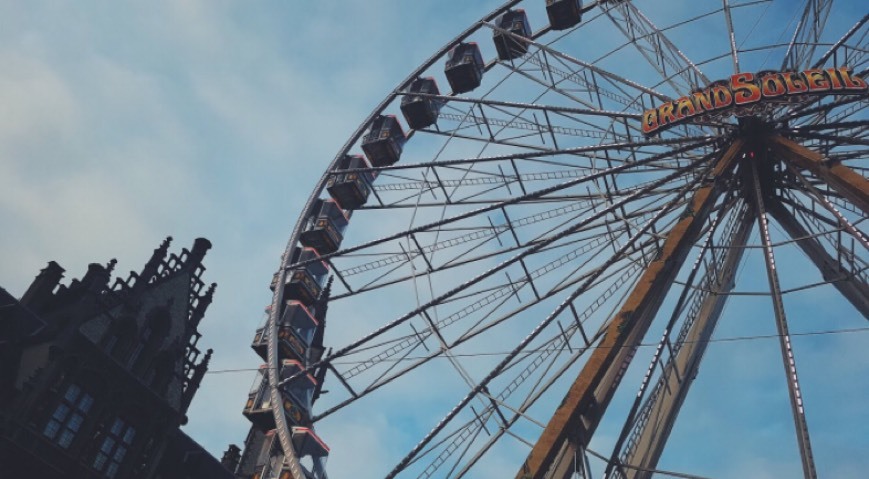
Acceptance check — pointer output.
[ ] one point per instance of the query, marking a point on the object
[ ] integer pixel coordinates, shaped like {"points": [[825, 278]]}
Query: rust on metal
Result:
{"points": [[847, 182], [579, 413]]}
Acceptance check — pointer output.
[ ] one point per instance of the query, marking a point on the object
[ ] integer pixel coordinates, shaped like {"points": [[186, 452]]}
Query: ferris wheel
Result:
{"points": [[530, 244]]}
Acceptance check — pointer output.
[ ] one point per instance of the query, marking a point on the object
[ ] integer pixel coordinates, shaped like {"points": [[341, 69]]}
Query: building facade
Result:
{"points": [[96, 377]]}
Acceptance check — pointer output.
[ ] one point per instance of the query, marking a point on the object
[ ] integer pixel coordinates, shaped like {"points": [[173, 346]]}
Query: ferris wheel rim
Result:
{"points": [[273, 357]]}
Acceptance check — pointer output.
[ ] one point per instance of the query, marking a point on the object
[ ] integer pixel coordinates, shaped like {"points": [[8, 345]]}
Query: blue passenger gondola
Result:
{"points": [[384, 141], [304, 283], [421, 111], [324, 228], [350, 189], [508, 46], [464, 67], [563, 14]]}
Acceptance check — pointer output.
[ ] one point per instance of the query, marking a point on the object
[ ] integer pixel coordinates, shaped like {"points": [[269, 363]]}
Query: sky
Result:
{"points": [[124, 122]]}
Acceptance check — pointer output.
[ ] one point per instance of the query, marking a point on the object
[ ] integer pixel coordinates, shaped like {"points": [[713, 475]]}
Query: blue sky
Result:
{"points": [[122, 123]]}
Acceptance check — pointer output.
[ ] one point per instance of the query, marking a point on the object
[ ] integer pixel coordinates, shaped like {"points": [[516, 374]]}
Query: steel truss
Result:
{"points": [[530, 238]]}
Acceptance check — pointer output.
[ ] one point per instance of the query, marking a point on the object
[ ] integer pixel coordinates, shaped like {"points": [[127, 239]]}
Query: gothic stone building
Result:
{"points": [[96, 378]]}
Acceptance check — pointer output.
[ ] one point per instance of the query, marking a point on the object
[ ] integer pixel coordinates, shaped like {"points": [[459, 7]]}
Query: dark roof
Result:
{"points": [[17, 322], [185, 458]]}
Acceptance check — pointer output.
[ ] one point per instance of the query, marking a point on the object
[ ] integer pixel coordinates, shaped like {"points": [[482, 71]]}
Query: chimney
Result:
{"points": [[42, 286], [200, 247]]}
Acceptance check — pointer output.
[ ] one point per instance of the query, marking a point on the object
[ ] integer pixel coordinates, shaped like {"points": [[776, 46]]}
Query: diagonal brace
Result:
{"points": [[847, 182], [575, 420]]}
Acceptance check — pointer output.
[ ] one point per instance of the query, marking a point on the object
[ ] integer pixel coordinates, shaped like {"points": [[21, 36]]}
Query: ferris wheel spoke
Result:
{"points": [[734, 51], [851, 282], [400, 351], [646, 428], [527, 197], [836, 139], [807, 35], [576, 418], [603, 76], [854, 30], [852, 186], [680, 146], [823, 111], [830, 232], [578, 113], [404, 318], [723, 164], [656, 48], [602, 234], [797, 406], [581, 204]]}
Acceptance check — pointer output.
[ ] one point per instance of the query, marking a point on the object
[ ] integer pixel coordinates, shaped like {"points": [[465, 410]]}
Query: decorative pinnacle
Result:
{"points": [[111, 265]]}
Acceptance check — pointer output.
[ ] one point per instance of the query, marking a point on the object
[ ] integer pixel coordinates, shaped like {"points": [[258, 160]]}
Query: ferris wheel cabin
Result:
{"points": [[300, 388], [563, 14], [258, 408], [305, 282], [464, 67], [270, 462], [350, 189], [421, 111], [384, 141], [324, 229], [295, 330], [508, 46]]}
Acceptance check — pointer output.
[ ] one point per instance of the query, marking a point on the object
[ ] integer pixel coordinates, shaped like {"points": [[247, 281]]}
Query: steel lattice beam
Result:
{"points": [[790, 367], [680, 371], [852, 288], [573, 423], [848, 183], [807, 34], [658, 50]]}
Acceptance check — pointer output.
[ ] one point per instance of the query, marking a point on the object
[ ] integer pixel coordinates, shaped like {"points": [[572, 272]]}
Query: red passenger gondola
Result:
{"points": [[384, 141], [350, 189], [324, 229], [564, 14], [421, 111], [464, 67], [508, 46]]}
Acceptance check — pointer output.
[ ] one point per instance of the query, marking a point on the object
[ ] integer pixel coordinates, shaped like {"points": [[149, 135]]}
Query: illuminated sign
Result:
{"points": [[745, 89]]}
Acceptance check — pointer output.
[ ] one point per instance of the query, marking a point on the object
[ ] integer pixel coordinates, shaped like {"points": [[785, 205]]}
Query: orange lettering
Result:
{"points": [[723, 97], [772, 85], [852, 82], [665, 113], [834, 78], [650, 121], [703, 100], [795, 85], [684, 107], [744, 90], [816, 80]]}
